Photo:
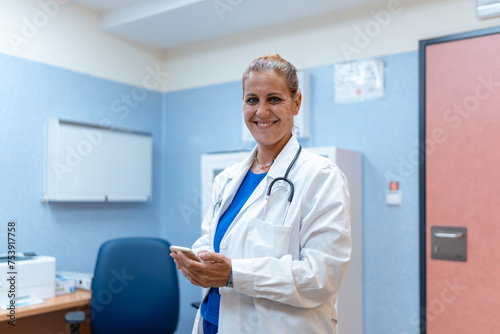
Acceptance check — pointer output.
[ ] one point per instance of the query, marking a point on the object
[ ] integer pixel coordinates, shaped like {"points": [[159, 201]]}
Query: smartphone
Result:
{"points": [[187, 251]]}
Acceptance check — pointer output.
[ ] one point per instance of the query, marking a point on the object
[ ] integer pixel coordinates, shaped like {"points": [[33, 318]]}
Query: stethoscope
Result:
{"points": [[270, 188]]}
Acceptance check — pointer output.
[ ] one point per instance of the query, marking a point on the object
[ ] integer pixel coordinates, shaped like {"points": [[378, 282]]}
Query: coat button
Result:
{"points": [[223, 245]]}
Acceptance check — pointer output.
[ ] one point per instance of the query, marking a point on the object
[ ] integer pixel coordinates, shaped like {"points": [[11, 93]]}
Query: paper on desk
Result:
{"points": [[24, 302]]}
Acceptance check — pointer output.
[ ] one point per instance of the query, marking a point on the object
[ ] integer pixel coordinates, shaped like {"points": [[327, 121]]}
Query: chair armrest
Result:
{"points": [[76, 317]]}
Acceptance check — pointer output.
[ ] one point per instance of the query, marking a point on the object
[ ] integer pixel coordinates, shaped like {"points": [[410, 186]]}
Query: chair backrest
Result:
{"points": [[135, 288]]}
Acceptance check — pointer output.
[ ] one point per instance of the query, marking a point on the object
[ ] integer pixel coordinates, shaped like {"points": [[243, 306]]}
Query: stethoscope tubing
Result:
{"points": [[270, 188], [290, 183]]}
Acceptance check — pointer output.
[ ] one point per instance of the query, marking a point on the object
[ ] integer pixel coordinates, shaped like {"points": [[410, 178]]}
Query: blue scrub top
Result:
{"points": [[210, 306]]}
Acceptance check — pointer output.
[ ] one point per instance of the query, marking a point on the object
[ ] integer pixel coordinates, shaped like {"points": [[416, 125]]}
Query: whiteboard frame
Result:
{"points": [[91, 163]]}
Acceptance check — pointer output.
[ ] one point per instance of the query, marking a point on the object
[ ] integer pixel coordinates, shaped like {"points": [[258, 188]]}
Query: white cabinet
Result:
{"points": [[350, 299], [92, 163]]}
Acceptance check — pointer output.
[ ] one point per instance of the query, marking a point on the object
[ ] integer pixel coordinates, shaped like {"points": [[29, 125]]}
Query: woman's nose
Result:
{"points": [[263, 109]]}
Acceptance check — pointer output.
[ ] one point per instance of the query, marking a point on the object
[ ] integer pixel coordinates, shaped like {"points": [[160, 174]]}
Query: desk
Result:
{"points": [[48, 317]]}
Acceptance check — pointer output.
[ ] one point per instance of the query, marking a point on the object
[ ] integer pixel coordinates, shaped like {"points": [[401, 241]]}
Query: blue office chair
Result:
{"points": [[135, 289]]}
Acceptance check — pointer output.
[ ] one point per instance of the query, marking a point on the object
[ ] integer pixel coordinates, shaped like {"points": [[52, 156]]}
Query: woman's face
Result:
{"points": [[268, 108]]}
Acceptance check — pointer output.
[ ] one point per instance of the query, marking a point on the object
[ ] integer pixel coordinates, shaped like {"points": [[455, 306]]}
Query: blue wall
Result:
{"points": [[72, 232], [187, 124], [386, 133]]}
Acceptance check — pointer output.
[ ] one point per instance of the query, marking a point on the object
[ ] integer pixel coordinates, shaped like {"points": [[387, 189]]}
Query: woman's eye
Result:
{"points": [[252, 100], [274, 99]]}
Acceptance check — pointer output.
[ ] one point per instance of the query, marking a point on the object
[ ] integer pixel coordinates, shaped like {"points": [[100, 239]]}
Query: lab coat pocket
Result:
{"points": [[268, 240]]}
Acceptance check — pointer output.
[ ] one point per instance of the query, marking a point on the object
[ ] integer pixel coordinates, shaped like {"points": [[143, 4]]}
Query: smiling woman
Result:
{"points": [[272, 265], [270, 101]]}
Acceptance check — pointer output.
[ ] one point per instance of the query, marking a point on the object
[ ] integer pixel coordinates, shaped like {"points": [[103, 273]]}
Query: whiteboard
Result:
{"points": [[92, 163]]}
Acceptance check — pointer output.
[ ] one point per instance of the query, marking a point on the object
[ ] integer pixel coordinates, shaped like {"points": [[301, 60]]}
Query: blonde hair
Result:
{"points": [[277, 64]]}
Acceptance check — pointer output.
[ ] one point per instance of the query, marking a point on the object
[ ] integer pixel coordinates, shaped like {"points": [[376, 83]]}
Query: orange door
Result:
{"points": [[462, 169]]}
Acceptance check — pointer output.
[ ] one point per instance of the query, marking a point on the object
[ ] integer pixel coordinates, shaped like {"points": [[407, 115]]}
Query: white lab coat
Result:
{"points": [[286, 278]]}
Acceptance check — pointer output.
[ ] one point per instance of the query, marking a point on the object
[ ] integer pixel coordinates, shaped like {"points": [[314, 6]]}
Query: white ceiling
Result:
{"points": [[166, 24]]}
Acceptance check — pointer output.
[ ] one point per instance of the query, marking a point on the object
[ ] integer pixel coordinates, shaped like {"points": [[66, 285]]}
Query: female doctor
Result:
{"points": [[275, 265]]}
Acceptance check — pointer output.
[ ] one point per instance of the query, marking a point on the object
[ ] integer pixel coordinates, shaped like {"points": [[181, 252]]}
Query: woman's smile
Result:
{"points": [[265, 124]]}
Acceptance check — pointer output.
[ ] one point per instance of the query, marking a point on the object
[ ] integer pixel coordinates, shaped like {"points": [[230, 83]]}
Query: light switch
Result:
{"points": [[394, 197]]}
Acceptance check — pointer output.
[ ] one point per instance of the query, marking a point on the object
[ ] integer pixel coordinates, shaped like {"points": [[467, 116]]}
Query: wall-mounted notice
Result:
{"points": [[358, 81], [92, 163]]}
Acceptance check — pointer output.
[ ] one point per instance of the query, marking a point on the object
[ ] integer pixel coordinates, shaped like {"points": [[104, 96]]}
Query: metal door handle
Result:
{"points": [[449, 243], [448, 235]]}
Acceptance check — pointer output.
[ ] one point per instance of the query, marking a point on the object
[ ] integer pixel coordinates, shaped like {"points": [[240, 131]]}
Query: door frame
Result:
{"points": [[422, 159]]}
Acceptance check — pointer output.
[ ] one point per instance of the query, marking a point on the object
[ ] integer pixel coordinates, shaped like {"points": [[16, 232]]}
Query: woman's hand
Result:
{"points": [[212, 273]]}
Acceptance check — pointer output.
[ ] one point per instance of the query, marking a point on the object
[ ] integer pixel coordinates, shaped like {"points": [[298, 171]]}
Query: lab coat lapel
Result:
{"points": [[284, 158], [278, 169], [236, 174]]}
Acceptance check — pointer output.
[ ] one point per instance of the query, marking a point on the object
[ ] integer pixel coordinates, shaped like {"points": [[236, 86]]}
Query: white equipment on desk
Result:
{"points": [[83, 280], [35, 278]]}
